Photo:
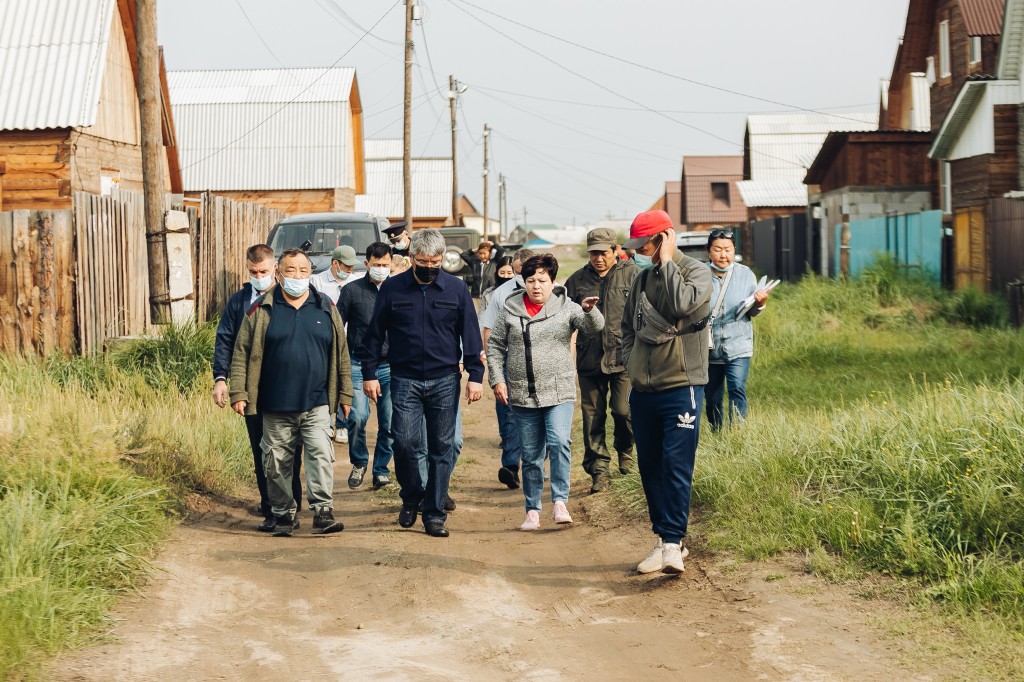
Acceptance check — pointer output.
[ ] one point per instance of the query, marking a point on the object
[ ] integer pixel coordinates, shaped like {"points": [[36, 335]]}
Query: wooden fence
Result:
{"points": [[226, 229], [36, 285]]}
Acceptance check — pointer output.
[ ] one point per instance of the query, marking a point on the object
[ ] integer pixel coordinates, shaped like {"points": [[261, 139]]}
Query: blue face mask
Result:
{"points": [[725, 269], [261, 284], [645, 262], [296, 287]]}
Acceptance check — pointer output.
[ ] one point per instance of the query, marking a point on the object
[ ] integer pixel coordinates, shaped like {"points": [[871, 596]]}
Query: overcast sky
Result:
{"points": [[599, 151]]}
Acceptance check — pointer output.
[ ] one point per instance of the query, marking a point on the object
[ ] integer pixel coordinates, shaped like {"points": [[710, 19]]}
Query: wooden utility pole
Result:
{"points": [[526, 223], [486, 134], [452, 95], [150, 110], [502, 226], [407, 134]]}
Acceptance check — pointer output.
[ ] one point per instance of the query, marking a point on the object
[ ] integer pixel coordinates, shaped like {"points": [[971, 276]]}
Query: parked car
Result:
{"points": [[457, 240], [695, 244], [318, 234]]}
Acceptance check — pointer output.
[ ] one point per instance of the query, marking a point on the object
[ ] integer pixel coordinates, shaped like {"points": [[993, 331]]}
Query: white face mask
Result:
{"points": [[402, 245], [296, 287], [379, 273], [261, 284]]}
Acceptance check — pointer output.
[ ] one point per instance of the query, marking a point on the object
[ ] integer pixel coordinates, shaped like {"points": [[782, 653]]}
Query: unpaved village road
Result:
{"points": [[489, 603]]}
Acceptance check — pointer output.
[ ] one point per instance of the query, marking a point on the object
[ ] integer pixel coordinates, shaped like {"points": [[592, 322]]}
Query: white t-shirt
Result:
{"points": [[325, 283], [490, 316]]}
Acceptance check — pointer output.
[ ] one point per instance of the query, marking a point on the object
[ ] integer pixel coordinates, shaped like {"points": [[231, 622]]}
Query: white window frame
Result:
{"points": [[947, 189], [974, 49], [944, 71]]}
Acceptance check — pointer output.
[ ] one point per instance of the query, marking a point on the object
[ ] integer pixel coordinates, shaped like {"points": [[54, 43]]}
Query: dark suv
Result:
{"points": [[459, 239], [318, 234]]}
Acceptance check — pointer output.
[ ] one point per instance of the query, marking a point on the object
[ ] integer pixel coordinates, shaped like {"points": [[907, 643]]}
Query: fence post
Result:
{"points": [[1015, 296], [844, 248]]}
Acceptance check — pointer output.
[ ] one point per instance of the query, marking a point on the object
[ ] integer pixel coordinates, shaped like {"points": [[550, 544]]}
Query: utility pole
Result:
{"points": [[486, 133], [526, 223], [407, 132], [502, 227], [150, 109], [452, 95], [504, 203]]}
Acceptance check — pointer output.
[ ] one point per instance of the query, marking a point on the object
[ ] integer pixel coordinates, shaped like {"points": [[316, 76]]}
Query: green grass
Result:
{"points": [[885, 435], [96, 460]]}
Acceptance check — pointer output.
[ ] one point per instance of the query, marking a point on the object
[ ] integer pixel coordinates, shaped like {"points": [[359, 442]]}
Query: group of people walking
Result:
{"points": [[642, 335]]}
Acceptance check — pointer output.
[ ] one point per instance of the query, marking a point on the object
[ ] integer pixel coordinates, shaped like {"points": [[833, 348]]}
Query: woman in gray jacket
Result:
{"points": [[732, 335], [532, 371]]}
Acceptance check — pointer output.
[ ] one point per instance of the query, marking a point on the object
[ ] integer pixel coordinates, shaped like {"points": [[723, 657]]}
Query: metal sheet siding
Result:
{"points": [[1011, 45], [782, 145], [383, 149], [983, 17], [261, 85], [431, 188], [773, 192], [52, 56], [921, 114]]}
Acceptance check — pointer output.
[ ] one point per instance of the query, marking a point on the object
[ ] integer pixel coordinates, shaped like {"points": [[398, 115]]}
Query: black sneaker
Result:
{"points": [[407, 517], [324, 522], [355, 479], [509, 477], [381, 482], [283, 526], [449, 503], [267, 526]]}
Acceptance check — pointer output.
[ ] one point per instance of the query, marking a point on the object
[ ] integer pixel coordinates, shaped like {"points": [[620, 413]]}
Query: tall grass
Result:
{"points": [[96, 457]]}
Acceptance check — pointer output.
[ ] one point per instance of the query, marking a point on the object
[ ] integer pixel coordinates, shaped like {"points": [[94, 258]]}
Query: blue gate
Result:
{"points": [[912, 240]]}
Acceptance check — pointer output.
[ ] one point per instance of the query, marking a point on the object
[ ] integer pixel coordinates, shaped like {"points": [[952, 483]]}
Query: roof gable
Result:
{"points": [[251, 86]]}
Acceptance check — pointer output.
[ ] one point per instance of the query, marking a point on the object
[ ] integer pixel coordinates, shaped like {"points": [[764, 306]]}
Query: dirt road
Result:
{"points": [[377, 602]]}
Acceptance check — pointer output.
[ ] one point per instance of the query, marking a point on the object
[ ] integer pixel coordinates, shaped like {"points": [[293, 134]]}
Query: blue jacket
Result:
{"points": [[733, 338], [423, 329], [227, 331]]}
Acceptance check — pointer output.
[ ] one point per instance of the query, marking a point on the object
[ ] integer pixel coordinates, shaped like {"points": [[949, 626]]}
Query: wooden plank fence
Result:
{"points": [[226, 229]]}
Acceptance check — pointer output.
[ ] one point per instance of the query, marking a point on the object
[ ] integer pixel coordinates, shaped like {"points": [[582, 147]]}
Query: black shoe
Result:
{"points": [[435, 529], [267, 526], [355, 479], [509, 477], [295, 522], [381, 482], [407, 517], [283, 526], [324, 522], [449, 503], [260, 511]]}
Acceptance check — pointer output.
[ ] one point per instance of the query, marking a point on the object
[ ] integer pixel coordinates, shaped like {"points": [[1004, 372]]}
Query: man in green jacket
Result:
{"points": [[665, 350], [291, 362], [599, 357]]}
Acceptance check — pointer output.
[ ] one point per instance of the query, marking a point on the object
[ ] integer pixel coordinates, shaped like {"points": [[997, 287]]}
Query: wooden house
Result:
{"points": [[69, 108], [671, 202], [709, 194], [288, 139]]}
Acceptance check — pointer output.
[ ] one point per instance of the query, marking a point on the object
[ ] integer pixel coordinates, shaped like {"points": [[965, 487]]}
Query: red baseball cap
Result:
{"points": [[645, 226]]}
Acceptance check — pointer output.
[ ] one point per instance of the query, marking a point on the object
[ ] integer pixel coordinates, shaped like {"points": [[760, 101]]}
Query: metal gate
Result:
{"points": [[1006, 227]]}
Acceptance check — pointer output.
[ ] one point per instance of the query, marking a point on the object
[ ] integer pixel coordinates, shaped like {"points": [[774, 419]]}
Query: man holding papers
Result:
{"points": [[736, 298]]}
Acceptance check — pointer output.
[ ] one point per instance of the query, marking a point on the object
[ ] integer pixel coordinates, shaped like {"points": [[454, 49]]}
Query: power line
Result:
{"points": [[436, 123], [636, 64], [280, 63], [355, 23], [430, 64], [425, 94], [371, 135], [285, 105]]}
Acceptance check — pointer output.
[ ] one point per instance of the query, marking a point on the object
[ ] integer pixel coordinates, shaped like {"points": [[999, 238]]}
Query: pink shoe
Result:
{"points": [[532, 521], [560, 514]]}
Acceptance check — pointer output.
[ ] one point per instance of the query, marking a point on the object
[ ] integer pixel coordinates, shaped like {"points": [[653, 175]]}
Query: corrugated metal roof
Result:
{"points": [[773, 192], [983, 17], [261, 85], [237, 130], [431, 188], [383, 149], [783, 145], [712, 165], [1011, 44], [699, 203], [52, 57]]}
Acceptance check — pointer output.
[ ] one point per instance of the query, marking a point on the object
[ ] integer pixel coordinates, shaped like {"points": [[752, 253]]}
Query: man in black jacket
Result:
{"points": [[481, 260], [599, 357], [355, 304], [259, 261]]}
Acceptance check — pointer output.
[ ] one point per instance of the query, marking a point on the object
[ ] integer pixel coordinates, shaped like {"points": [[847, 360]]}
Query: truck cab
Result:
{"points": [[318, 234]]}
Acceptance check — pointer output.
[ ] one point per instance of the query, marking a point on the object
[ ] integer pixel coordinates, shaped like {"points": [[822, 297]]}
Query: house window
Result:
{"points": [[947, 189], [720, 196], [944, 49], [975, 49]]}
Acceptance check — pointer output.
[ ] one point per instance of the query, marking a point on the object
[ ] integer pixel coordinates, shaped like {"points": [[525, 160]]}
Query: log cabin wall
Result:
{"points": [[291, 201], [35, 169]]}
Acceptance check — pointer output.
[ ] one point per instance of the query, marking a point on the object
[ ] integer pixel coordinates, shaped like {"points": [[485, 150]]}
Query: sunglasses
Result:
{"points": [[720, 234]]}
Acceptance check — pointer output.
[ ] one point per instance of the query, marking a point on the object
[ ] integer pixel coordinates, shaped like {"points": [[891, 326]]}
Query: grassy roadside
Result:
{"points": [[885, 437], [97, 458]]}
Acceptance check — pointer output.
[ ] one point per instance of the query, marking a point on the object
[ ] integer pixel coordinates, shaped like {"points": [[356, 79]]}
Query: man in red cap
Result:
{"points": [[665, 351]]}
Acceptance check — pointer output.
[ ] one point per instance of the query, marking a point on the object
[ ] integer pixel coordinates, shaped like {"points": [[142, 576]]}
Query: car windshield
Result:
{"points": [[324, 237], [695, 252], [461, 241]]}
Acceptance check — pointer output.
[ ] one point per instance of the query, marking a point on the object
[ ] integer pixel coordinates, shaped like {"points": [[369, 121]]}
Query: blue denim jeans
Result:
{"points": [[421, 450], [437, 400], [358, 454], [666, 427], [734, 373], [545, 430], [510, 448]]}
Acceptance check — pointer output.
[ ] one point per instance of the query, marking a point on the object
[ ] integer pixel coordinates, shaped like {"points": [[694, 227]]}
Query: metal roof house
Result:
{"points": [[709, 193], [778, 149], [385, 196], [69, 108], [289, 139]]}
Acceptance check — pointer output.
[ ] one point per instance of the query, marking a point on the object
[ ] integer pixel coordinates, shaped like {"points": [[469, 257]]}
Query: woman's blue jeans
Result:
{"points": [[545, 430], [734, 373]]}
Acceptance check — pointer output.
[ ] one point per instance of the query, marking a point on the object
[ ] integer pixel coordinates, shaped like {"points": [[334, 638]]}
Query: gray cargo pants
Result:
{"points": [[283, 434]]}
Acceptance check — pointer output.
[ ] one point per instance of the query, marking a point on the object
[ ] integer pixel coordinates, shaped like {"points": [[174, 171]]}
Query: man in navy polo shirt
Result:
{"points": [[428, 314]]}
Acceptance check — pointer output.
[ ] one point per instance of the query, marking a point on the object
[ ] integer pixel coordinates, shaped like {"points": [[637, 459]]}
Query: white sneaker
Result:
{"points": [[559, 514], [672, 558], [532, 521], [653, 563], [341, 436]]}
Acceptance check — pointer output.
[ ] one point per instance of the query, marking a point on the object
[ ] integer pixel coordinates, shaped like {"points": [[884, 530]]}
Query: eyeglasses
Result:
{"points": [[428, 263], [720, 234]]}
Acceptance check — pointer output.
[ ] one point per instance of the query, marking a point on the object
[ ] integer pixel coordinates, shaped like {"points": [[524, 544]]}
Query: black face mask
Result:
{"points": [[426, 274], [499, 280]]}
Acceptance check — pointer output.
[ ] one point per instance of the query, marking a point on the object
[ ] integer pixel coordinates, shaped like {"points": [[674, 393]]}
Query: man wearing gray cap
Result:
{"points": [[331, 280], [599, 357]]}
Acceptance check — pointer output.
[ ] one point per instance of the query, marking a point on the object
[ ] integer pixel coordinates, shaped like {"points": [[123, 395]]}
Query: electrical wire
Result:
{"points": [[636, 64], [429, 139], [376, 113], [372, 135], [370, 45], [430, 64], [303, 91], [355, 23]]}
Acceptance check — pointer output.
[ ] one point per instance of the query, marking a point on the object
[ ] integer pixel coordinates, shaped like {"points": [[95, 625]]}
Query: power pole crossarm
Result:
{"points": [[407, 132]]}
